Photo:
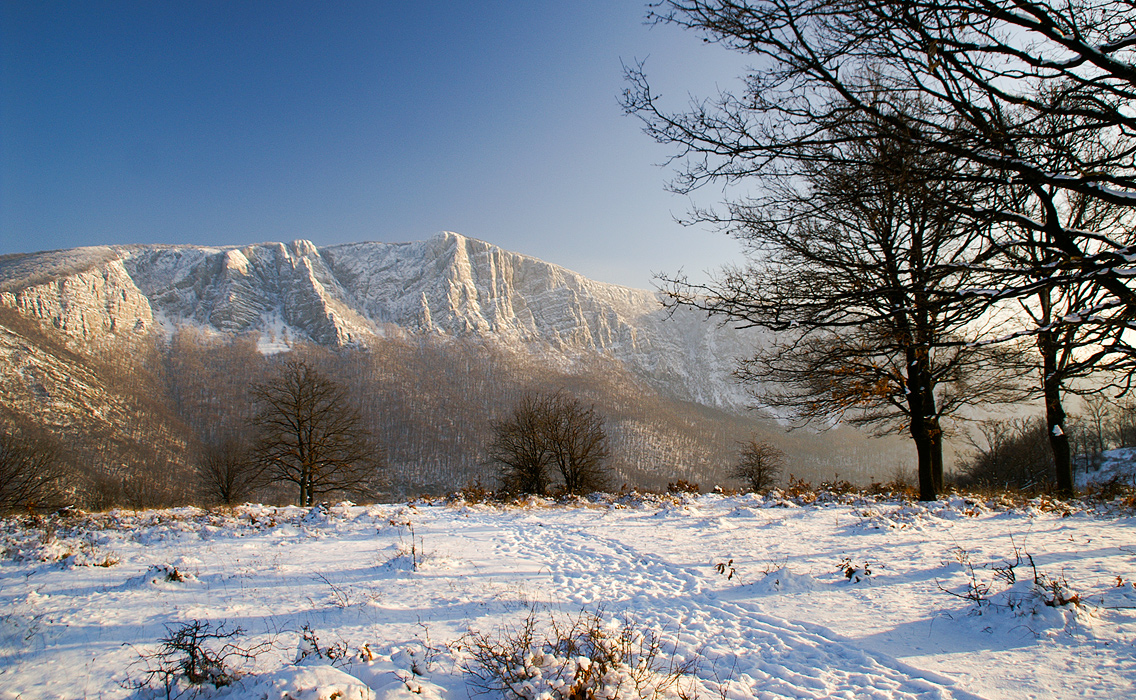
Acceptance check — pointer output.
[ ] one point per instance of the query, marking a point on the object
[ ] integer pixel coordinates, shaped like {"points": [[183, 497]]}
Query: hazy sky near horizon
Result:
{"points": [[222, 123]]}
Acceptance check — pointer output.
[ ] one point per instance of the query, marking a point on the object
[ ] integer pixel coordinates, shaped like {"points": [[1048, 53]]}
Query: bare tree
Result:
{"points": [[519, 448], [1123, 424], [1004, 87], [759, 465], [31, 473], [1015, 455], [1096, 416], [228, 471], [577, 443], [310, 435], [547, 432], [1028, 101], [856, 261]]}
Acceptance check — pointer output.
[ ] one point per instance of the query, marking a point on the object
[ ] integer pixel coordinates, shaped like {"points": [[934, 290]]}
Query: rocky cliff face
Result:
{"points": [[93, 304], [349, 294]]}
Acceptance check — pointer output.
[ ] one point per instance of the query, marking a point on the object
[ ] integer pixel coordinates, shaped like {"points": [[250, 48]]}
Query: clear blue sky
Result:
{"points": [[239, 122]]}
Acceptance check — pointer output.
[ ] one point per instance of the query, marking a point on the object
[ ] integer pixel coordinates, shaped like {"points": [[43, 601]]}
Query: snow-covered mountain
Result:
{"points": [[349, 295]]}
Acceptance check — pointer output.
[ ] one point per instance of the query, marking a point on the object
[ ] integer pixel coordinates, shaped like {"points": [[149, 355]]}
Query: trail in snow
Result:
{"points": [[778, 621]]}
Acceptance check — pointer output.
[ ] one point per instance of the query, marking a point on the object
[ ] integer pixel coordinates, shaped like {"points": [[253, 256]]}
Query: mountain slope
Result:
{"points": [[135, 357], [348, 295]]}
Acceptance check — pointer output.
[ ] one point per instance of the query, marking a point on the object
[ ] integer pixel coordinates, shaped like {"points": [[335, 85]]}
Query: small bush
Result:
{"points": [[1117, 488], [726, 568], [854, 573], [1003, 587], [474, 492], [310, 647], [195, 653], [682, 486], [414, 552], [575, 659], [800, 491]]}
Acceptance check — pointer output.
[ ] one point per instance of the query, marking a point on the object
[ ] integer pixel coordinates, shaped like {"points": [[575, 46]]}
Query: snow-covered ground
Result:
{"points": [[756, 598], [1115, 466]]}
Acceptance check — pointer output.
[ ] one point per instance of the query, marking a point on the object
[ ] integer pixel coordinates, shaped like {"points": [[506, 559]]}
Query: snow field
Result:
{"points": [[763, 598]]}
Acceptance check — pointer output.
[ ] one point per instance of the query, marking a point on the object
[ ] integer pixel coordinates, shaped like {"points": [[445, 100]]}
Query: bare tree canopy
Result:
{"points": [[519, 450], [228, 471], [759, 465], [550, 438], [1033, 95], [1022, 108], [310, 435]]}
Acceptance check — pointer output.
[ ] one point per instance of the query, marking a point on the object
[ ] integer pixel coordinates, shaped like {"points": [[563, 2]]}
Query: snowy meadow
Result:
{"points": [[678, 596]]}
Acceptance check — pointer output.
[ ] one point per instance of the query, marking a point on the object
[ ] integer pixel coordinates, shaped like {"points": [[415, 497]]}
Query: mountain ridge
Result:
{"points": [[348, 294]]}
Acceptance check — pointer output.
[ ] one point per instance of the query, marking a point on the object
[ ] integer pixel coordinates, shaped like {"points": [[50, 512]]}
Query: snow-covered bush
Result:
{"points": [[854, 573], [191, 655], [311, 650], [572, 659], [1007, 586]]}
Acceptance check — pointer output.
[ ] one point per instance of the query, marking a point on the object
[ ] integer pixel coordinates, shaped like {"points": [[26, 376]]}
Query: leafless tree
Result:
{"points": [[1123, 424], [1014, 454], [31, 473], [1027, 103], [1095, 417], [759, 465], [228, 471], [577, 443], [1004, 86], [310, 435], [519, 449], [550, 435], [855, 261]]}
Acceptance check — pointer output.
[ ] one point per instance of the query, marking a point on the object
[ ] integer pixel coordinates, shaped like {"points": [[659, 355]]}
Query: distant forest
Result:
{"points": [[131, 424]]}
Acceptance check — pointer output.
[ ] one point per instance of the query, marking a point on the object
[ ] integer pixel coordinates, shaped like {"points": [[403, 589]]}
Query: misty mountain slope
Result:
{"points": [[109, 413]]}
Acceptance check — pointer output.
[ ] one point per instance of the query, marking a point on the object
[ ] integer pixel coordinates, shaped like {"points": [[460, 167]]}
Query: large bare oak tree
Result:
{"points": [[309, 434], [1031, 101]]}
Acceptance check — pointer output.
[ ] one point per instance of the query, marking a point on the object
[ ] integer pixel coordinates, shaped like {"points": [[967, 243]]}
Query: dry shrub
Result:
{"points": [[1117, 490], [473, 492], [682, 486], [585, 657], [800, 491], [193, 654], [838, 487]]}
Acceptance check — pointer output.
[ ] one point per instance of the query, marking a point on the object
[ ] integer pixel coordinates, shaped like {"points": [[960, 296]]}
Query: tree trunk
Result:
{"points": [[919, 408], [1055, 414], [936, 455], [923, 450]]}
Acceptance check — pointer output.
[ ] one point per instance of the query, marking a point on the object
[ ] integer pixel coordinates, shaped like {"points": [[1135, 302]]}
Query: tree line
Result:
{"points": [[936, 201], [177, 422]]}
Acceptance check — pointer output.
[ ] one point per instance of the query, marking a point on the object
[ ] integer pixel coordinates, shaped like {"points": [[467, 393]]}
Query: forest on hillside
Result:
{"points": [[133, 425]]}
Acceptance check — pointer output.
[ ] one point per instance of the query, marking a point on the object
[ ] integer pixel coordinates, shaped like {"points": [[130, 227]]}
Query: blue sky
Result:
{"points": [[239, 122]]}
